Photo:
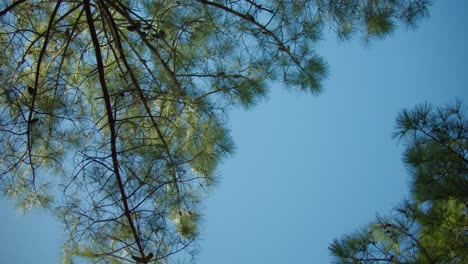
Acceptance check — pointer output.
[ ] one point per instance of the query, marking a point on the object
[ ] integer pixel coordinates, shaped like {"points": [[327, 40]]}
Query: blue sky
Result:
{"points": [[308, 168]]}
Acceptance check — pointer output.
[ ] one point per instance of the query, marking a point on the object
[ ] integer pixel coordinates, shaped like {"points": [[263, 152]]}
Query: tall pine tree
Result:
{"points": [[122, 105], [431, 226]]}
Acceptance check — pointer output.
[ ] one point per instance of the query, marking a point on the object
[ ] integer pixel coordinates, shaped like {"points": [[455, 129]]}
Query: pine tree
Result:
{"points": [[431, 226], [122, 105]]}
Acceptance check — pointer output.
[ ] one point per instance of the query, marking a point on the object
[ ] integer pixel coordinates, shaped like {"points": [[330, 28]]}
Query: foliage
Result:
{"points": [[431, 226], [437, 155], [114, 112]]}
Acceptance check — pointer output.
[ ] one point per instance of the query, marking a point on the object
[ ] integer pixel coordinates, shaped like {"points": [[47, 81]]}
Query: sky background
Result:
{"points": [[308, 168]]}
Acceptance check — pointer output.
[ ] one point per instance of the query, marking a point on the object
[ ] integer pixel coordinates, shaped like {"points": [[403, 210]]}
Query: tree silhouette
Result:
{"points": [[122, 105], [431, 226]]}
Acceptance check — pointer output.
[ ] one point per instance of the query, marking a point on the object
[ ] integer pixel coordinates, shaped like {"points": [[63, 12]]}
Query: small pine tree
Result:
{"points": [[430, 227]]}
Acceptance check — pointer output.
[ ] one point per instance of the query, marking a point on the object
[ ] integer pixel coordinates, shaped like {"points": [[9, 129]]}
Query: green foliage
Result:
{"points": [[430, 227], [436, 156], [375, 19], [310, 77], [379, 25], [120, 107]]}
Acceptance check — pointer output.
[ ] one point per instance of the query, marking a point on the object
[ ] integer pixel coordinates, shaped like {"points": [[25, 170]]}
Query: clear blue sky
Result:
{"points": [[308, 168]]}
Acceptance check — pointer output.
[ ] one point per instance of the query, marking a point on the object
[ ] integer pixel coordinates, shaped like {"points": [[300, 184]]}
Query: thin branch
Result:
{"points": [[266, 31], [36, 83], [10, 7]]}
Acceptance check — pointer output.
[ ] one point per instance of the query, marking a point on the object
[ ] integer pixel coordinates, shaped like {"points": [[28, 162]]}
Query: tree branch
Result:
{"points": [[10, 7], [113, 135]]}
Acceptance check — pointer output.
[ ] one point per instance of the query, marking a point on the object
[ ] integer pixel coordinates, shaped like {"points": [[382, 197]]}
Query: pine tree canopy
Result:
{"points": [[431, 226], [113, 113]]}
